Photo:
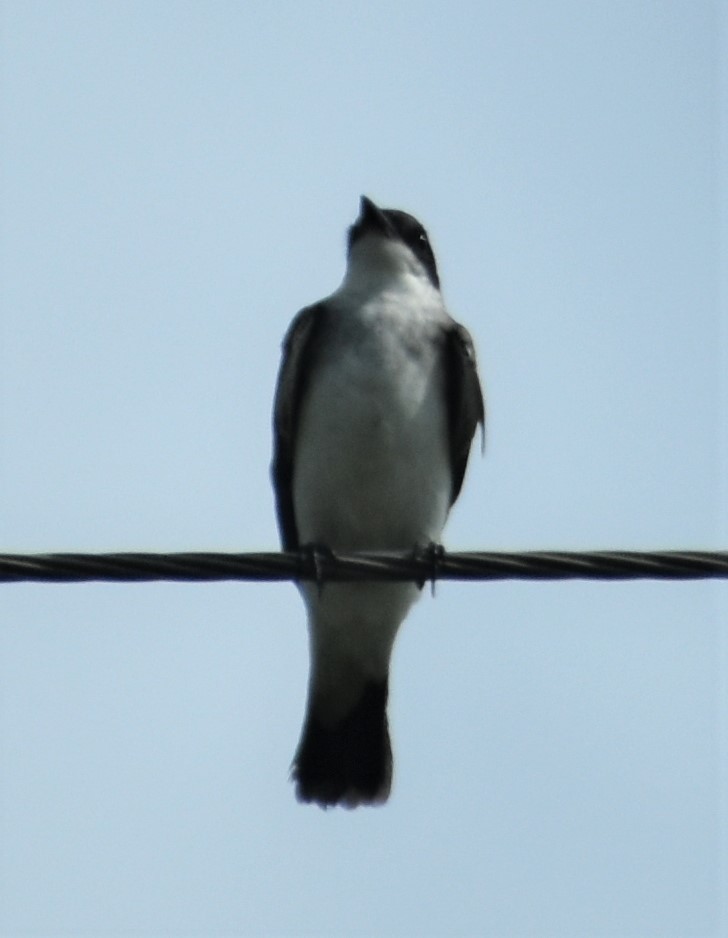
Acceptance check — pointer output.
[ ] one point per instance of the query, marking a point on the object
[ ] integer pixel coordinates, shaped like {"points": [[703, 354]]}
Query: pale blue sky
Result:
{"points": [[176, 180]]}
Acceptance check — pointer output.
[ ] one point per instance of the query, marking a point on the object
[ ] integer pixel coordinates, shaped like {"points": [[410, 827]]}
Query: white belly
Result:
{"points": [[372, 468]]}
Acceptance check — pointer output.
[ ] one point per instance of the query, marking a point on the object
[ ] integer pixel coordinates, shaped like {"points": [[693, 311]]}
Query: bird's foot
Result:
{"points": [[432, 553], [313, 557]]}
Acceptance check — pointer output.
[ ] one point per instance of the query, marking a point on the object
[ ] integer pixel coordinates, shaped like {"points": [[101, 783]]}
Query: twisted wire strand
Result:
{"points": [[324, 566]]}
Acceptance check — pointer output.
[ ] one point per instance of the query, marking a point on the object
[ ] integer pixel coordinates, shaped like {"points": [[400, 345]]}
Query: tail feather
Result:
{"points": [[349, 763]]}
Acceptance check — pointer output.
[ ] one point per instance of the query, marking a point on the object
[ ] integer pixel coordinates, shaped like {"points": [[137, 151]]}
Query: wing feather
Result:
{"points": [[299, 353], [465, 404]]}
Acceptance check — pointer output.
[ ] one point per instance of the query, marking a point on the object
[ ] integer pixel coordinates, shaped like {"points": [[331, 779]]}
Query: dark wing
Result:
{"points": [[299, 350], [464, 400]]}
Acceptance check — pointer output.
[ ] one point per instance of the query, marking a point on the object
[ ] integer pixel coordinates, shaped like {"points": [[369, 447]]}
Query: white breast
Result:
{"points": [[371, 465]]}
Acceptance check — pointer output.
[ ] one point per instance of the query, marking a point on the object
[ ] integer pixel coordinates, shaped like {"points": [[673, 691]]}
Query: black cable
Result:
{"points": [[324, 566]]}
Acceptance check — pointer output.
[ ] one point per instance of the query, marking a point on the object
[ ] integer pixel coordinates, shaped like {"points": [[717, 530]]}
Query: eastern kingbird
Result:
{"points": [[376, 406]]}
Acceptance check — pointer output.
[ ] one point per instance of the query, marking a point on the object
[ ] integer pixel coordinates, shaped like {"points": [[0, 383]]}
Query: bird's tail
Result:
{"points": [[349, 763]]}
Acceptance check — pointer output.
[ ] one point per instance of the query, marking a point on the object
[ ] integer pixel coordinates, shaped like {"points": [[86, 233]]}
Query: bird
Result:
{"points": [[376, 405]]}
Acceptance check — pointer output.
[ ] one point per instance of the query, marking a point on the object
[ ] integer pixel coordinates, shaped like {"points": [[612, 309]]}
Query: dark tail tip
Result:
{"points": [[349, 763]]}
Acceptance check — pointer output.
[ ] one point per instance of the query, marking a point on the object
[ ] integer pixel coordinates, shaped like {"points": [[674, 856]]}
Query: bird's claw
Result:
{"points": [[313, 557], [433, 554]]}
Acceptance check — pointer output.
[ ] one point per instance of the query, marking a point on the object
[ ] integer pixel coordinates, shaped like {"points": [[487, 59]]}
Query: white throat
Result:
{"points": [[377, 264]]}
